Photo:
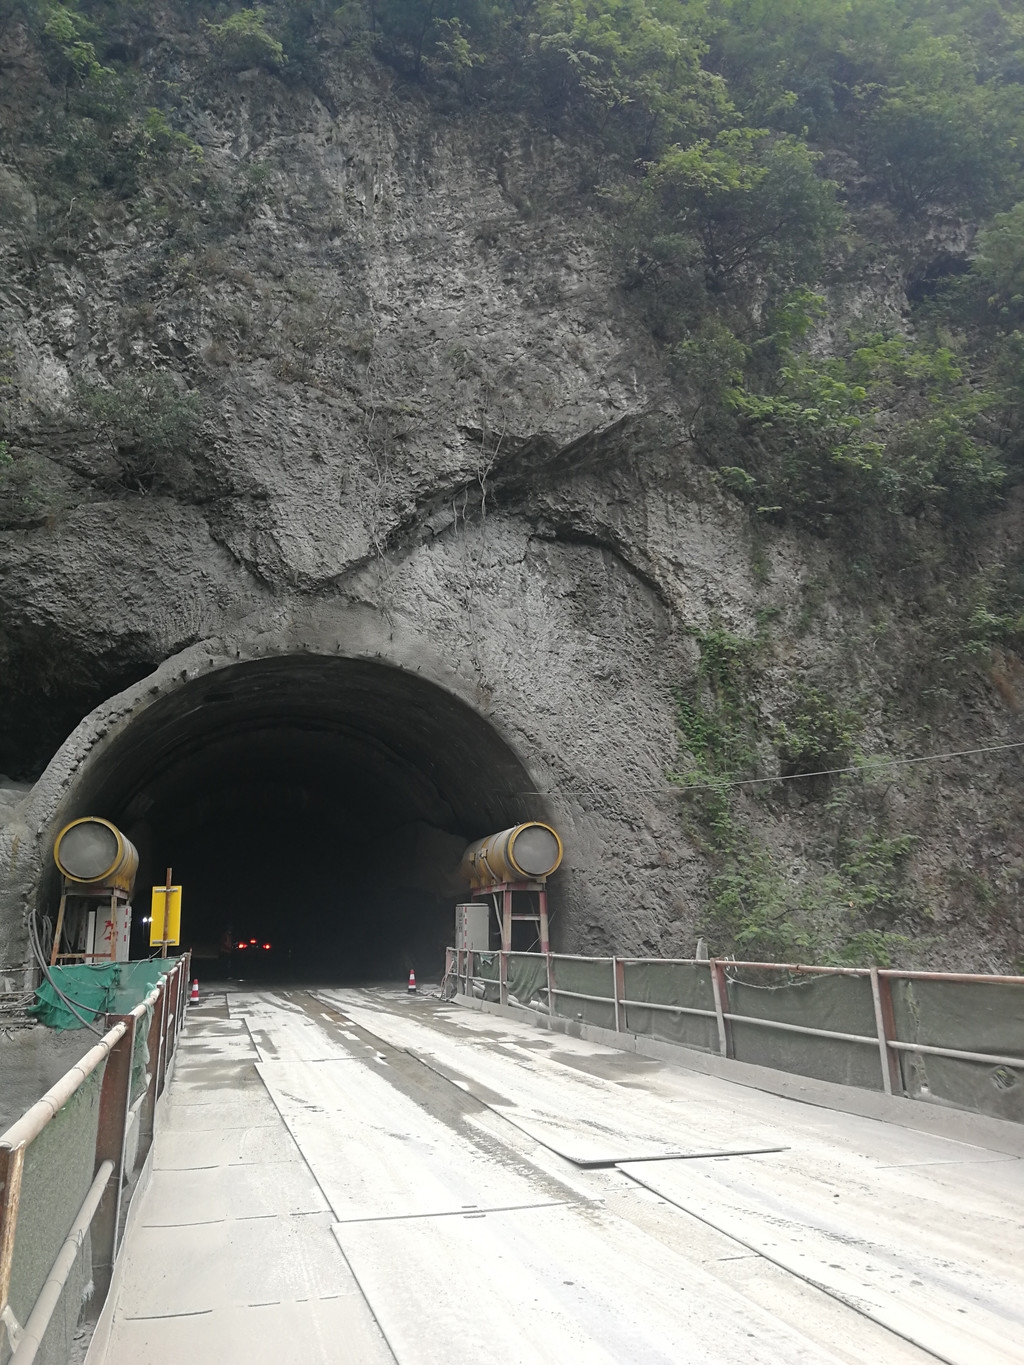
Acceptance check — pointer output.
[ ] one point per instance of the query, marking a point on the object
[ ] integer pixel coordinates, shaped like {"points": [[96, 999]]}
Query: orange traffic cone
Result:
{"points": [[411, 988], [193, 998]]}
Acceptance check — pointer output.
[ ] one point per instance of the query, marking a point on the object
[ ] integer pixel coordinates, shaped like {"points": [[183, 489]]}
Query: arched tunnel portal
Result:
{"points": [[318, 804]]}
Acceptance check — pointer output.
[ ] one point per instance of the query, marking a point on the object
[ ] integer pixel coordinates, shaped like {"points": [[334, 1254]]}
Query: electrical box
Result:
{"points": [[100, 929], [472, 927], [122, 930]]}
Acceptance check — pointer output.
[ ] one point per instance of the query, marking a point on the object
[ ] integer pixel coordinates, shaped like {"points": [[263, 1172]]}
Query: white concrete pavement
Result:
{"points": [[367, 1176], [230, 1256]]}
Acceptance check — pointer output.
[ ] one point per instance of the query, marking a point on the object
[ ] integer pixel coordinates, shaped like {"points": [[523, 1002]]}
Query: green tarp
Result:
{"points": [[487, 969], [110, 988], [671, 983], [979, 1017], [59, 1168], [592, 976], [970, 1016], [840, 1004], [527, 978]]}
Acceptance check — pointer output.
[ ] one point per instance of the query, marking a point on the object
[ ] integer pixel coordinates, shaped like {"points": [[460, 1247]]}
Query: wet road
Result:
{"points": [[364, 1176]]}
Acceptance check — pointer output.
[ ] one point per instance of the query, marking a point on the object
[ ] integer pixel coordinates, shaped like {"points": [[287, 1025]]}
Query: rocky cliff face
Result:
{"points": [[397, 375]]}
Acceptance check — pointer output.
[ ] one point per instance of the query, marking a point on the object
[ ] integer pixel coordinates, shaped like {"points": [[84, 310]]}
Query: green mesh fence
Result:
{"points": [[59, 1164], [140, 1054], [968, 1016], [110, 988], [840, 1004], [58, 1171], [671, 983], [590, 976], [487, 967], [527, 979]]}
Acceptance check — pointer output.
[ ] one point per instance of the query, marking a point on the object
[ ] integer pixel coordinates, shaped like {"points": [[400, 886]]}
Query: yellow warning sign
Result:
{"points": [[157, 936]]}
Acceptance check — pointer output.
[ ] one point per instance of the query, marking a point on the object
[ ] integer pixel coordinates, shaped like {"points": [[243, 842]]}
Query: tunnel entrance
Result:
{"points": [[318, 805]]}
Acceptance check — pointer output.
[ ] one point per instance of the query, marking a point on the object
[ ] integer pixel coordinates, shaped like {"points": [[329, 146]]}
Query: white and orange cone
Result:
{"points": [[411, 988], [193, 998]]}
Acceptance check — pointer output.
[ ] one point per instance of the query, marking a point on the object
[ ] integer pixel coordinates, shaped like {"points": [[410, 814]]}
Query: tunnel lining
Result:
{"points": [[329, 741]]}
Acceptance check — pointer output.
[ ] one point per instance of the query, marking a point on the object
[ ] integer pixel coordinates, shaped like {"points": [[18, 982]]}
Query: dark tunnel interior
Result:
{"points": [[319, 805]]}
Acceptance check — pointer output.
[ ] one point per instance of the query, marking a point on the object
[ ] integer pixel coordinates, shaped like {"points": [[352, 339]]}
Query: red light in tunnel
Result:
{"points": [[243, 945], [266, 945]]}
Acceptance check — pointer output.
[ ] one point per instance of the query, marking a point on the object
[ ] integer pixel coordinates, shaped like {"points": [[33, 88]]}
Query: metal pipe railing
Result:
{"points": [[955, 1053], [668, 1009], [101, 1209], [721, 974], [801, 1028], [578, 995], [34, 1120], [35, 1328], [896, 973]]}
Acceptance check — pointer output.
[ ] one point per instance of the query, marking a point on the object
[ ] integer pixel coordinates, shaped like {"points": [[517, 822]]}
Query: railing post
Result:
{"points": [[181, 1003], [618, 991], [161, 1055], [885, 1027], [549, 965], [720, 986], [506, 946], [172, 1016], [12, 1161], [178, 1001], [115, 1101], [147, 1114]]}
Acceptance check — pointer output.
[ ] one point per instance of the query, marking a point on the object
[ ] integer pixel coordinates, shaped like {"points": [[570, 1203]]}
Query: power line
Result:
{"points": [[867, 766]]}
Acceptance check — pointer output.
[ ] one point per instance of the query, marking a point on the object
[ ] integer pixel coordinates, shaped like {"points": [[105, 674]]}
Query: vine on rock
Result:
{"points": [[840, 906]]}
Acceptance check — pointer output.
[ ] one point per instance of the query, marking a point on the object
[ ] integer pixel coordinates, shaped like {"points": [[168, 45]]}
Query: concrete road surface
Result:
{"points": [[364, 1176]]}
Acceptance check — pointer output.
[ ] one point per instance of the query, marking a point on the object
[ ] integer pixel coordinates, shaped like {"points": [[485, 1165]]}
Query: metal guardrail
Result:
{"points": [[461, 970], [100, 1212]]}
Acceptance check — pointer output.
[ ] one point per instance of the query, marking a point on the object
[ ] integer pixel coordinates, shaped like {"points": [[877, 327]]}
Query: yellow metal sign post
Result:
{"points": [[165, 916]]}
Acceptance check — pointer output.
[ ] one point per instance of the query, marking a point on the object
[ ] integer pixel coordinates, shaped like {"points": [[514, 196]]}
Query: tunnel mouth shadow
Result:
{"points": [[316, 804]]}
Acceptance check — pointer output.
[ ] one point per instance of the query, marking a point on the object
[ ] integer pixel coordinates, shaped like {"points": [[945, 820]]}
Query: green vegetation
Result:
{"points": [[67, 46], [149, 427], [243, 41], [999, 264], [892, 426], [715, 717], [815, 734], [733, 144], [841, 904], [926, 97], [733, 147]]}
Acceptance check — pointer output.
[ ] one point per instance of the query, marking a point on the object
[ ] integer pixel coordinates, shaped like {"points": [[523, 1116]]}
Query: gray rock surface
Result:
{"points": [[427, 407]]}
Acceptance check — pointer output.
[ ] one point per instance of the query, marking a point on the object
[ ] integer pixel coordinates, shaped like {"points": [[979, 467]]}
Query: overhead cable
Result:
{"points": [[866, 767]]}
